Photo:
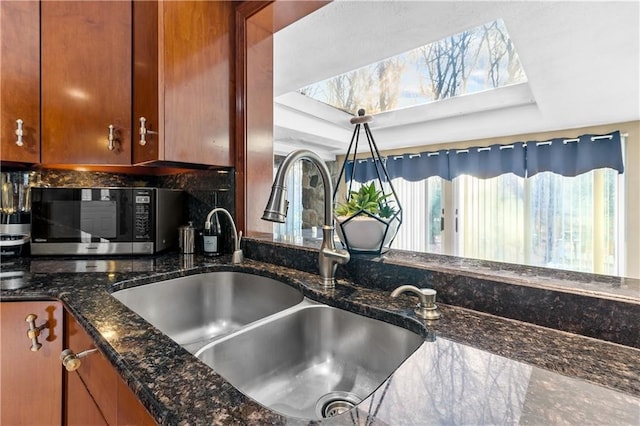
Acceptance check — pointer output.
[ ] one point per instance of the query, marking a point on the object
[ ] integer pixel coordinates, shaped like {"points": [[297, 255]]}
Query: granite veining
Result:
{"points": [[472, 368]]}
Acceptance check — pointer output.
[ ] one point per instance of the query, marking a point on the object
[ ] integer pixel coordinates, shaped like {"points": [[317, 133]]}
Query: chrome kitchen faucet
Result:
{"points": [[237, 256], [276, 211]]}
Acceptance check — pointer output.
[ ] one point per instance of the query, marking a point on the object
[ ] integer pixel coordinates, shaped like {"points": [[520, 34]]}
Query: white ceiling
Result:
{"points": [[581, 60]]}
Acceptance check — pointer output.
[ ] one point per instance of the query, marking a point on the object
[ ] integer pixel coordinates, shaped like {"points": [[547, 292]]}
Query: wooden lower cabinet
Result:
{"points": [[80, 408], [130, 410], [31, 381], [95, 394], [34, 389]]}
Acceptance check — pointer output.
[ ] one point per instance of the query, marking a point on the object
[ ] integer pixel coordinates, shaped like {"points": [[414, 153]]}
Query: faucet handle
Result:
{"points": [[238, 256]]}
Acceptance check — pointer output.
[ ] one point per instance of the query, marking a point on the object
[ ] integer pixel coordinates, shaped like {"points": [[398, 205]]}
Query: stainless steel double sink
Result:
{"points": [[290, 354]]}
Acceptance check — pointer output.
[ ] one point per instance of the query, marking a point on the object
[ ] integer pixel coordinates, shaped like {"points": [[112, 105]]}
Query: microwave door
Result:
{"points": [[98, 221], [82, 221]]}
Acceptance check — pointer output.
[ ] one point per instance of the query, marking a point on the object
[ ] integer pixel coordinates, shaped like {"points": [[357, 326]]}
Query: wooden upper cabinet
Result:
{"points": [[183, 82], [86, 82], [20, 80], [30, 381], [146, 86]]}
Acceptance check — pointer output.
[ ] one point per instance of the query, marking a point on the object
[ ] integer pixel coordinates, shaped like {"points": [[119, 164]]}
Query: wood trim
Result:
{"points": [[242, 13], [271, 16]]}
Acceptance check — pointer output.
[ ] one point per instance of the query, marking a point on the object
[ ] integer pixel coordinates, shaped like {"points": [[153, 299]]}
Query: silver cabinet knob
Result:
{"points": [[71, 360], [144, 131], [19, 132], [112, 137], [34, 331]]}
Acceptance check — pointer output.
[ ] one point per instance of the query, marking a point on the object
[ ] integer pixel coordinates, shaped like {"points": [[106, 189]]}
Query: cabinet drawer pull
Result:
{"points": [[112, 138], [34, 331], [144, 131], [19, 132], [71, 360]]}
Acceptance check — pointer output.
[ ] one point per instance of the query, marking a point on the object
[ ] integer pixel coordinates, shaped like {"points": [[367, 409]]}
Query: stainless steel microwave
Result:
{"points": [[102, 221]]}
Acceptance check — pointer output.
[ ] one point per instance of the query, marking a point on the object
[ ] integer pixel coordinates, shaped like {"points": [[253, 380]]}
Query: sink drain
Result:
{"points": [[335, 403], [334, 408]]}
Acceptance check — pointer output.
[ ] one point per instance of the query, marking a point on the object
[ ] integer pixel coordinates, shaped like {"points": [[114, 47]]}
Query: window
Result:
{"points": [[568, 218], [478, 59], [489, 218], [291, 229], [573, 221], [423, 217], [547, 220]]}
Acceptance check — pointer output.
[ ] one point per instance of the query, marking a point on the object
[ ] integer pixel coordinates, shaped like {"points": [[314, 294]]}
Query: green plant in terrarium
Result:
{"points": [[386, 211], [368, 199]]}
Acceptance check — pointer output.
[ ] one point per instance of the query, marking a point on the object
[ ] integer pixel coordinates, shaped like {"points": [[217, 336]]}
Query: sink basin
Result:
{"points": [[311, 362], [195, 309]]}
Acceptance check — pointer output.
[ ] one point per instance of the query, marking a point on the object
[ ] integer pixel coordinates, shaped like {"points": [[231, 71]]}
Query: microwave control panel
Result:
{"points": [[142, 211]]}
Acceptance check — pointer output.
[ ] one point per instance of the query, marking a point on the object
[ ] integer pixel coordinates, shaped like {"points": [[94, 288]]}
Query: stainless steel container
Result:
{"points": [[187, 238]]}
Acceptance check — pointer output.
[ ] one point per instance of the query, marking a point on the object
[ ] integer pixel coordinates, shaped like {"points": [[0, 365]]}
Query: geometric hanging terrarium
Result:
{"points": [[368, 219]]}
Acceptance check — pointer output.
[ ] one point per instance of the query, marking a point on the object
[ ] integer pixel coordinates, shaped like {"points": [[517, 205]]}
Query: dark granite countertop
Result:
{"points": [[599, 306], [473, 367], [604, 286]]}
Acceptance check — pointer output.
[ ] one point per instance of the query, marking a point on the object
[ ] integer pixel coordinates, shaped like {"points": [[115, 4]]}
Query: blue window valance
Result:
{"points": [[571, 157], [488, 162], [365, 170], [417, 167], [566, 157]]}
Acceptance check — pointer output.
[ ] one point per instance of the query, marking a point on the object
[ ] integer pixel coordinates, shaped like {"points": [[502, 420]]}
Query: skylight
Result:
{"points": [[479, 59]]}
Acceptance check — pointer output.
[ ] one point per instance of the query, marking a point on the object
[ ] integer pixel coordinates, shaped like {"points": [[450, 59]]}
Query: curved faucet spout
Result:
{"points": [[276, 211], [237, 256]]}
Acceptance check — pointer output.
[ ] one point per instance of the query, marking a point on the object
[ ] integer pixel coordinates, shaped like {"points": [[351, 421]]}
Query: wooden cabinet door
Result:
{"points": [[97, 381], [146, 85], [20, 80], [81, 409], [95, 372], [86, 82], [31, 381], [130, 410], [184, 48]]}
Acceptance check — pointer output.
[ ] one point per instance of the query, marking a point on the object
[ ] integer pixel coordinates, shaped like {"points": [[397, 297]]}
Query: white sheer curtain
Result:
{"points": [[548, 220]]}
